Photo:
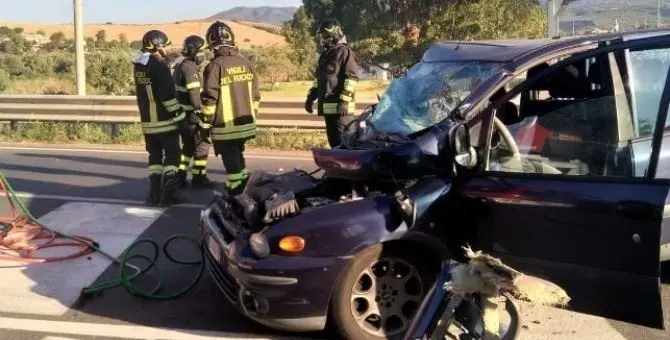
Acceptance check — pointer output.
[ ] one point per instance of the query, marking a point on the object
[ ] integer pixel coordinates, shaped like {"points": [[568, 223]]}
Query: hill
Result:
{"points": [[264, 14], [245, 35]]}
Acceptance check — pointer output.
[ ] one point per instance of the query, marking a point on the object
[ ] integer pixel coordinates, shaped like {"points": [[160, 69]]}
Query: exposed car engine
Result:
{"points": [[270, 197]]}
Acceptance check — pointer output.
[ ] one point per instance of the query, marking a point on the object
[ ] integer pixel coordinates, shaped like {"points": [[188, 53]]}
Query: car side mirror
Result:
{"points": [[464, 153]]}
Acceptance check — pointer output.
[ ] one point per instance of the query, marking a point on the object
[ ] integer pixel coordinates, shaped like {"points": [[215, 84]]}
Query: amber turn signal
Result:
{"points": [[292, 244]]}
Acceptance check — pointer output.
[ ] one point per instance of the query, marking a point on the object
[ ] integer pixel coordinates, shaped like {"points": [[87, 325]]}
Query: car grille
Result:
{"points": [[223, 280], [223, 233]]}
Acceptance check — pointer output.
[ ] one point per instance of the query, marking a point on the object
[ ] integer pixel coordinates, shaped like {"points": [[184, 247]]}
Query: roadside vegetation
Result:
{"points": [[130, 134], [41, 63]]}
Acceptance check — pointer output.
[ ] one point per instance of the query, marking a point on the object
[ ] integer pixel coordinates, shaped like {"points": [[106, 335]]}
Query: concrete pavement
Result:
{"points": [[99, 193]]}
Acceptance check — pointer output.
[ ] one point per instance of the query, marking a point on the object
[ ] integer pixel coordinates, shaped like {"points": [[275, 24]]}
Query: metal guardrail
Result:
{"points": [[116, 110]]}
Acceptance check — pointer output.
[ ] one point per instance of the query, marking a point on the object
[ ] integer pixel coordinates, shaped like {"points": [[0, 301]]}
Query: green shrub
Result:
{"points": [[5, 82]]}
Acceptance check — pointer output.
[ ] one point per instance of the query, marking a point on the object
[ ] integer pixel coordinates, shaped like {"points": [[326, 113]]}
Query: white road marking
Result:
{"points": [[121, 331], [29, 195], [141, 152], [51, 288], [548, 323]]}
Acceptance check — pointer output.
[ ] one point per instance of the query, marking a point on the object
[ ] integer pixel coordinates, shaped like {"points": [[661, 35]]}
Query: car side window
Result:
{"points": [[649, 69], [577, 120]]}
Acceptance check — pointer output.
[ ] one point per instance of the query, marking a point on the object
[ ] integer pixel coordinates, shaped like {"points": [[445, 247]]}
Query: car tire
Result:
{"points": [[351, 298]]}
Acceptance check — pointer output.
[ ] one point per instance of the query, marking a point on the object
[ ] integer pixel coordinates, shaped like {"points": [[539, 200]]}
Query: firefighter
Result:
{"points": [[336, 79], [188, 85], [230, 100], [161, 117]]}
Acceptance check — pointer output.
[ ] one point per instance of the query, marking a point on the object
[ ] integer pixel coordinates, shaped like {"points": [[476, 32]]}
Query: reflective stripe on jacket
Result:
{"points": [[231, 96], [188, 85], [336, 79], [159, 109]]}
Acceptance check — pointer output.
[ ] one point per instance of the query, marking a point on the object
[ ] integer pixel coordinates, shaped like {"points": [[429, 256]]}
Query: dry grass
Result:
{"points": [[47, 86], [258, 24], [42, 86], [245, 35]]}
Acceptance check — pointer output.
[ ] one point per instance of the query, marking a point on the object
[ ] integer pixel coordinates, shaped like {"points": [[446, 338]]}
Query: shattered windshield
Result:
{"points": [[427, 94]]}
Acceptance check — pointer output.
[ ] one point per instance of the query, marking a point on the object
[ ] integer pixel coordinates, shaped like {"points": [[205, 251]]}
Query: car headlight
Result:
{"points": [[259, 245]]}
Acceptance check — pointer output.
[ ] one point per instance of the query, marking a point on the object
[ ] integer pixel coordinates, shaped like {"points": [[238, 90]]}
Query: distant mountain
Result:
{"points": [[264, 14]]}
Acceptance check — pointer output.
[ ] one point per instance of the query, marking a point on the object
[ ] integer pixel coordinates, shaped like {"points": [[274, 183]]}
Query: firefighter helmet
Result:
{"points": [[155, 40], [193, 48], [220, 34], [193, 45], [330, 32]]}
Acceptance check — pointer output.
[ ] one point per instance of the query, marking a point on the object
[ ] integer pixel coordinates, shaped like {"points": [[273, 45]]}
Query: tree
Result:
{"points": [[57, 41], [18, 30], [489, 19], [398, 31], [5, 82], [9, 47], [16, 44], [272, 63], [42, 33], [136, 45], [90, 43], [123, 39], [6, 32], [109, 72], [101, 39], [298, 35]]}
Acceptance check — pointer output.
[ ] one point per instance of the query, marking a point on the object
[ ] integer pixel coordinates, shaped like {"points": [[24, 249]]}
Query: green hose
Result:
{"points": [[126, 280], [123, 278]]}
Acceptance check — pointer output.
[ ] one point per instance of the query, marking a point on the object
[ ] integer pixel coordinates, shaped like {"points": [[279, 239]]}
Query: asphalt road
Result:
{"points": [[49, 179]]}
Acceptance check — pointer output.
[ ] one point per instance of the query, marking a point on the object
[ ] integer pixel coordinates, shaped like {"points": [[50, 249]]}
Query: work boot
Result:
{"points": [[154, 196], [201, 182], [170, 189], [183, 181], [238, 189]]}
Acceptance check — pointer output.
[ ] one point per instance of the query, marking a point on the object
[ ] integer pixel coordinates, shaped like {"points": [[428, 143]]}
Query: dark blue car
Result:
{"points": [[567, 178]]}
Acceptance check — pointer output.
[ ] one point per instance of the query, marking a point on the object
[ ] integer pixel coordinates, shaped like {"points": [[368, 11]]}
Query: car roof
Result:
{"points": [[509, 51]]}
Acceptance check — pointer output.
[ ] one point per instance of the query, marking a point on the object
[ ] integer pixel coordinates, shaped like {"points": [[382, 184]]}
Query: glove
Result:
{"points": [[308, 106], [194, 117], [311, 97], [204, 131], [343, 109]]}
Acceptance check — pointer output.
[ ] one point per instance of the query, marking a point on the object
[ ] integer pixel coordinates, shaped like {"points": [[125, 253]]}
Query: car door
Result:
{"points": [[582, 208]]}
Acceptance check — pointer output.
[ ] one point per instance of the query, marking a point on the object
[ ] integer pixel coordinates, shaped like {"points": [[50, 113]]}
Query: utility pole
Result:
{"points": [[79, 43], [554, 9]]}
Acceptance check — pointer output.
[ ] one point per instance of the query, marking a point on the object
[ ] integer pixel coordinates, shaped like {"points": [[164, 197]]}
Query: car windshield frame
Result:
{"points": [[429, 93]]}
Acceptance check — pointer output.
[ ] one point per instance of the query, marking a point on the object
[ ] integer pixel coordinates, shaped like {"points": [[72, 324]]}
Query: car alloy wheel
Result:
{"points": [[385, 297]]}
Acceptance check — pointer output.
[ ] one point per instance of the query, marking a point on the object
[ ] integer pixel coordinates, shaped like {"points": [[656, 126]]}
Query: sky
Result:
{"points": [[124, 11]]}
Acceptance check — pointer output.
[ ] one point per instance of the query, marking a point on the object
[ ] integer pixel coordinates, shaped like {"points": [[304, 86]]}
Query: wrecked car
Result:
{"points": [[548, 154]]}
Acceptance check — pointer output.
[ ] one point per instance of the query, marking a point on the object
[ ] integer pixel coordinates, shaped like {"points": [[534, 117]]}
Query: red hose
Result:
{"points": [[27, 237]]}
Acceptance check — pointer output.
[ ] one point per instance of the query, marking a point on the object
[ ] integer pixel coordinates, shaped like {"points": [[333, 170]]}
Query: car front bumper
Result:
{"points": [[282, 292]]}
